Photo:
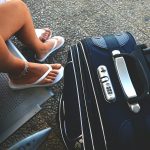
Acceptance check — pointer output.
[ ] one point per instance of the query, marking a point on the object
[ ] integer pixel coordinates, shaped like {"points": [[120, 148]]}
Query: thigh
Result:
{"points": [[12, 17]]}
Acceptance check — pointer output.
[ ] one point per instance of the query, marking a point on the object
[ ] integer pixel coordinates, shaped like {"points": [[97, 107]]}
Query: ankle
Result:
{"points": [[20, 72]]}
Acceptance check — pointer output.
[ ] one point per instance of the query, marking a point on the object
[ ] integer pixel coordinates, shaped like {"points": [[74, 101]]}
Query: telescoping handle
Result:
{"points": [[126, 82]]}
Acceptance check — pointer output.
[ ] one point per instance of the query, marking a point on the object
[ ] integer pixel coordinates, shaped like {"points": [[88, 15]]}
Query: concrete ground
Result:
{"points": [[76, 19]]}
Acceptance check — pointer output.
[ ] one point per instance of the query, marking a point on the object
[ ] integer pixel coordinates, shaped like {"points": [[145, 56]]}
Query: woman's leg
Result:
{"points": [[14, 66], [17, 20], [14, 17]]}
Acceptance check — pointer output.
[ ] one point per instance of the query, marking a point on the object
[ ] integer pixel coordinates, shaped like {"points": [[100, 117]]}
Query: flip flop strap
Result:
{"points": [[54, 43], [45, 74]]}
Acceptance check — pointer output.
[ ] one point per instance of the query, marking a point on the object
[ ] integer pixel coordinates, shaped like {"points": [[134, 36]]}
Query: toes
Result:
{"points": [[45, 36], [46, 80], [47, 29], [53, 73], [42, 39], [56, 66], [51, 77]]}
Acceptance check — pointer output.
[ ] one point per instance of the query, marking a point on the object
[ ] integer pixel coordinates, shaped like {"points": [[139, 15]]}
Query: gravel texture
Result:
{"points": [[76, 19]]}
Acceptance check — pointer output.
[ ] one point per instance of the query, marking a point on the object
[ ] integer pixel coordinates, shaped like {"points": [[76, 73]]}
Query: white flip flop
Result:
{"points": [[36, 83], [55, 47]]}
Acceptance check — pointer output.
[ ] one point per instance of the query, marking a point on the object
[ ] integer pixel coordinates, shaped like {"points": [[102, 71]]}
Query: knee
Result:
{"points": [[18, 5]]}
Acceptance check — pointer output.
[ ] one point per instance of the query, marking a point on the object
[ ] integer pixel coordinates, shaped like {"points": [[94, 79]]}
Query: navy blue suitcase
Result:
{"points": [[105, 102]]}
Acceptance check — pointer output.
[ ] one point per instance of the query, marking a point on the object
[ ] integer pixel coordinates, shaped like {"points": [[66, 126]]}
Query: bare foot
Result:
{"points": [[35, 71], [45, 35], [51, 44]]}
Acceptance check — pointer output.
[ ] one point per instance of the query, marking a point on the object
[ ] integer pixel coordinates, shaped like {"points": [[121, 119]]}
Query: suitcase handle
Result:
{"points": [[126, 82]]}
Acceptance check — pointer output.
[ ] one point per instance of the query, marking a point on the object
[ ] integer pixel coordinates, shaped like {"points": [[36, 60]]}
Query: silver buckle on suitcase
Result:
{"points": [[125, 81]]}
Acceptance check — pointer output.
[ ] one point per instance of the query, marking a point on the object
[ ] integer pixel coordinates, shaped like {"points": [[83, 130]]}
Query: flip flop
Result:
{"points": [[39, 32], [36, 83], [56, 46]]}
